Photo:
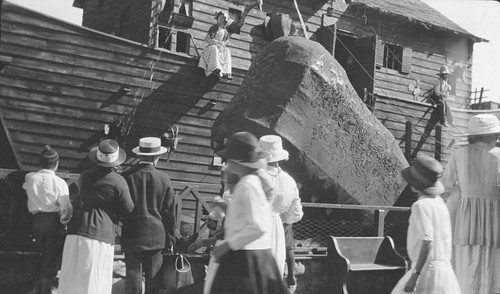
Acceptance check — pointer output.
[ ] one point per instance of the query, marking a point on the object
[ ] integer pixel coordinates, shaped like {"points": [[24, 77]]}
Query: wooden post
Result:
{"points": [[373, 100], [481, 98], [408, 135], [378, 223], [437, 146]]}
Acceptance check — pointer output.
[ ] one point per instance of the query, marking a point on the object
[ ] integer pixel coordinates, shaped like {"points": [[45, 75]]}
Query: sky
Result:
{"points": [[479, 17]]}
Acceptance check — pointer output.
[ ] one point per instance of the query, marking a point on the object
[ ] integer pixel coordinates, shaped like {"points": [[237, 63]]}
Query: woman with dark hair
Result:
{"points": [[87, 264], [472, 181], [246, 262], [215, 59]]}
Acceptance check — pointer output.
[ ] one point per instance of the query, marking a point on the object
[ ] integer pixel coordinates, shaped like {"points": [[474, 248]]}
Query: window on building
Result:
{"points": [[169, 6], [393, 57], [235, 15], [124, 22], [164, 38], [184, 39]]}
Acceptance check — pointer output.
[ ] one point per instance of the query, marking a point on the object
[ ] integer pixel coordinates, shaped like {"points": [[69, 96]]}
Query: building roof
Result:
{"points": [[416, 11]]}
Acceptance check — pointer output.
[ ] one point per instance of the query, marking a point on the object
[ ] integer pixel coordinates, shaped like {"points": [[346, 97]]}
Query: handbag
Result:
{"points": [[176, 273]]}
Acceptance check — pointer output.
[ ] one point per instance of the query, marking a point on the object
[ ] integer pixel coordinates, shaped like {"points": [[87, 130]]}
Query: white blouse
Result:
{"points": [[248, 218]]}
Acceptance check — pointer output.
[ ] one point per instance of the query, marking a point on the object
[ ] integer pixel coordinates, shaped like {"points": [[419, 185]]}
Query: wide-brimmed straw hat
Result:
{"points": [[274, 145], [107, 154], [244, 149], [483, 124], [149, 146], [443, 70], [424, 175]]}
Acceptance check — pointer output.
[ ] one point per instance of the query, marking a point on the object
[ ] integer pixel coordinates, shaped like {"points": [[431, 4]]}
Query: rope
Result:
{"points": [[301, 20], [406, 115], [150, 70]]}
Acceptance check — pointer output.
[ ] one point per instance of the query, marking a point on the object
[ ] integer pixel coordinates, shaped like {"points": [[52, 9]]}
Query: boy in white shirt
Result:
{"points": [[48, 201]]}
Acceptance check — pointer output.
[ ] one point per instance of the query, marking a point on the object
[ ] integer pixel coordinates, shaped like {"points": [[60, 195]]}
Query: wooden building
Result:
{"points": [[129, 72], [390, 51], [120, 76]]}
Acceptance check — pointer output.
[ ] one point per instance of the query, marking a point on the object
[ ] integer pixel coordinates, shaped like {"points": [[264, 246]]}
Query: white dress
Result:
{"points": [[472, 179], [87, 266], [430, 220], [216, 55], [284, 196]]}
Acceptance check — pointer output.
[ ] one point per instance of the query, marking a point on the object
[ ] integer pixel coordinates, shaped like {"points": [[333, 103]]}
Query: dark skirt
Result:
{"points": [[248, 272]]}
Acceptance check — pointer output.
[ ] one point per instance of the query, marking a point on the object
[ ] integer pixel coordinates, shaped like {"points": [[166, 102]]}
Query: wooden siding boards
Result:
{"points": [[59, 90], [394, 113], [61, 72]]}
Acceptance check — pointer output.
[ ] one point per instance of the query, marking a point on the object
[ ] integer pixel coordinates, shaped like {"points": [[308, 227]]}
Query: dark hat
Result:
{"points": [[48, 156], [244, 149], [107, 154], [424, 175], [443, 70]]}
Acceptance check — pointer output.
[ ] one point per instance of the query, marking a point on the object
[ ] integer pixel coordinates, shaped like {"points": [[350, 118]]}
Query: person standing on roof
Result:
{"points": [[441, 92]]}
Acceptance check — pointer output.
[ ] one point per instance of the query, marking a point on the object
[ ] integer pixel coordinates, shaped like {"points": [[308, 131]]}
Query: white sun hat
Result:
{"points": [[274, 145], [149, 146], [483, 124]]}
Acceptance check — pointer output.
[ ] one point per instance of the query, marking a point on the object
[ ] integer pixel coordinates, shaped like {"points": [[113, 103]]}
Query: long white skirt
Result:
{"points": [[437, 278], [478, 269], [87, 266], [278, 246]]}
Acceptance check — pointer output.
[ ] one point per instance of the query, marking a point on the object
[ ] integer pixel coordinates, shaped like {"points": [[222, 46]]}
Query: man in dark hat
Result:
{"points": [[150, 227], [48, 201]]}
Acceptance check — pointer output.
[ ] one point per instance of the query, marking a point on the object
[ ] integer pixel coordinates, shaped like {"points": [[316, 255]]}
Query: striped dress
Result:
{"points": [[472, 179], [216, 55]]}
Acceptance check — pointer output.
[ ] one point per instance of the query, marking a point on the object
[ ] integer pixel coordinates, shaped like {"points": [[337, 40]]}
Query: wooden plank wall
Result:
{"points": [[394, 113], [77, 72], [246, 45], [61, 88], [431, 49], [107, 18]]}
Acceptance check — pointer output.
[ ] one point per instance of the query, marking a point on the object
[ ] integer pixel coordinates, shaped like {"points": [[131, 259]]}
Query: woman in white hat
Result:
{"points": [[87, 264], [287, 208], [442, 90], [472, 181]]}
